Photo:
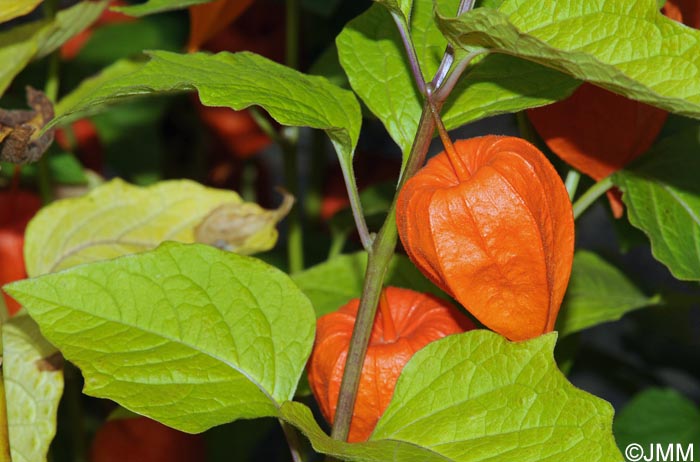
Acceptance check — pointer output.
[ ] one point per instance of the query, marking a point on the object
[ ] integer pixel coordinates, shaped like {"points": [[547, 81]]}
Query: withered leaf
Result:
{"points": [[20, 142], [243, 227]]}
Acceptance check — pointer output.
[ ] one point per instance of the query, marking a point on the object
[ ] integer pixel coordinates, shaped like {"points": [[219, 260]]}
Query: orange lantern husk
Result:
{"points": [[498, 236], [406, 321], [599, 132]]}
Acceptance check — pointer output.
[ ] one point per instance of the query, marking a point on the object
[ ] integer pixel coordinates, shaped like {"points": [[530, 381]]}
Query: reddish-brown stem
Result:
{"points": [[387, 319], [14, 185], [457, 165]]}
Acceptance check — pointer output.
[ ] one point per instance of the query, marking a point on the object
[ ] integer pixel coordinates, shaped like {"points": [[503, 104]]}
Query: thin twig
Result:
{"points": [[590, 196], [410, 51], [571, 183], [449, 84]]}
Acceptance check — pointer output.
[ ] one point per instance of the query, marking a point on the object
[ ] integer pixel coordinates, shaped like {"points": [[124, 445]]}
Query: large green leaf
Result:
{"points": [[332, 284], [476, 397], [660, 416], [19, 45], [33, 387], [117, 219], [662, 195], [157, 6], [186, 334], [369, 49], [373, 57], [238, 81], [597, 293], [626, 47]]}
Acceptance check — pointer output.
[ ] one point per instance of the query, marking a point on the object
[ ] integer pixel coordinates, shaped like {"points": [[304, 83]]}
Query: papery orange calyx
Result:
{"points": [[406, 321], [500, 241]]}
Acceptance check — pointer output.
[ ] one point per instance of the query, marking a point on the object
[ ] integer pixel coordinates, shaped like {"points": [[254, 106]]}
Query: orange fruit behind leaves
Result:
{"points": [[72, 47], [596, 131], [406, 321], [16, 209], [499, 237], [208, 19], [599, 132], [145, 440]]}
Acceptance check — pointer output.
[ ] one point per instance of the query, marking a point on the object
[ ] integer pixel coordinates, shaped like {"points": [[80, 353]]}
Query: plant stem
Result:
{"points": [[449, 84], [571, 183], [51, 91], [295, 233], [410, 51], [590, 196], [449, 55], [379, 257], [338, 240], [293, 441], [458, 166]]}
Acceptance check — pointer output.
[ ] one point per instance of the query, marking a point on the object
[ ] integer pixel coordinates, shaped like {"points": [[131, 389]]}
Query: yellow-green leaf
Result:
{"points": [[15, 8], [117, 219], [33, 388]]}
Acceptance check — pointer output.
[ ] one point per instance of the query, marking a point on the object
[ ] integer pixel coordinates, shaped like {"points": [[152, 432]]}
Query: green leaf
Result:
{"points": [[514, 403], [658, 416], [662, 196], [332, 284], [369, 49], [373, 57], [476, 397], [90, 85], [597, 293], [157, 6], [501, 84], [189, 335], [590, 41], [33, 386], [15, 8], [19, 45], [117, 219], [239, 80], [301, 417]]}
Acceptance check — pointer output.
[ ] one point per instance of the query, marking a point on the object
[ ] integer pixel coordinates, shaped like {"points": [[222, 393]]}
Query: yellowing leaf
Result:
{"points": [[117, 219], [243, 228], [208, 19], [33, 388], [15, 8]]}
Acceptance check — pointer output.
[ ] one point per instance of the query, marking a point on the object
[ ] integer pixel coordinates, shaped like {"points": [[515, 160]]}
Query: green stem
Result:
{"points": [[379, 257], [293, 441], [590, 196], [75, 412], [51, 91], [295, 233], [338, 240], [571, 183]]}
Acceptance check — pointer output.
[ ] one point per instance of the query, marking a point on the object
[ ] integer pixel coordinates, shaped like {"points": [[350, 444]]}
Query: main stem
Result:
{"points": [[379, 257]]}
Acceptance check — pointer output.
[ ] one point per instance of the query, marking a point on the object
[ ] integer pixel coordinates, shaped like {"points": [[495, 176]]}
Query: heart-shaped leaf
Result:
{"points": [[186, 334]]}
